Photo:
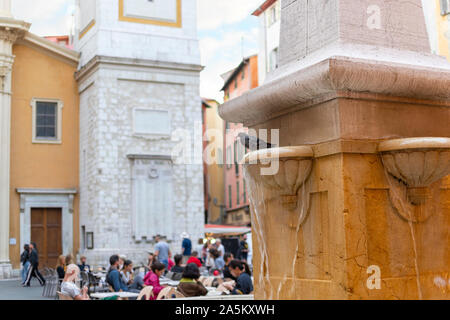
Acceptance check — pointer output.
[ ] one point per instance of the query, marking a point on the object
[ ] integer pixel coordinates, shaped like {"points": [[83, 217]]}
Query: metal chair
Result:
{"points": [[51, 286], [93, 281], [85, 280]]}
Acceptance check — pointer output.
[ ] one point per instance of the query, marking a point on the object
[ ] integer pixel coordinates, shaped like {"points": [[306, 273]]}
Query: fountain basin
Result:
{"points": [[282, 170], [417, 163]]}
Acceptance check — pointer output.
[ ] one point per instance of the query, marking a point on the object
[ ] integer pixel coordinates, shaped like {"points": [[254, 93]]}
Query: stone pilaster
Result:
{"points": [[10, 31]]}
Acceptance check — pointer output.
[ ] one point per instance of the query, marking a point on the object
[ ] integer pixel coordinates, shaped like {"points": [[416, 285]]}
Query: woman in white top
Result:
{"points": [[69, 287]]}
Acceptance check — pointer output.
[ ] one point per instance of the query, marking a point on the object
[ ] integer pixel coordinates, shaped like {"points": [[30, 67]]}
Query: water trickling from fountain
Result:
{"points": [[266, 205]]}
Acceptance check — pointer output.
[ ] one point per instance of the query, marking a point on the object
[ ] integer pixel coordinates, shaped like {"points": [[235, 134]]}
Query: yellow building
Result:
{"points": [[437, 16], [39, 145], [213, 126]]}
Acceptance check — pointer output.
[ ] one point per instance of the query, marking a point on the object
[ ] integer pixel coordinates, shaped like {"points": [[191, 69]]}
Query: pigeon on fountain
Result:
{"points": [[253, 143]]}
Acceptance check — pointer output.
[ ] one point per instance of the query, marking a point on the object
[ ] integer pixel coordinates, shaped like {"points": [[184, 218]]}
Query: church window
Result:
{"points": [[47, 120]]}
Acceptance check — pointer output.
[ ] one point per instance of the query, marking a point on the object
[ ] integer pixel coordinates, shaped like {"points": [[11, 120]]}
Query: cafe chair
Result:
{"points": [[169, 293], [62, 296], [146, 292]]}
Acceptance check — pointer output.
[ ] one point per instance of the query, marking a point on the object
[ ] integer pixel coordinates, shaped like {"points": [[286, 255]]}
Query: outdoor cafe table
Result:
{"points": [[102, 295], [168, 282]]}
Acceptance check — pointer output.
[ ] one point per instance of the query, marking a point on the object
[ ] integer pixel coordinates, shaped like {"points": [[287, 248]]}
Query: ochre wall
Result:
{"points": [[215, 171], [352, 223], [37, 74]]}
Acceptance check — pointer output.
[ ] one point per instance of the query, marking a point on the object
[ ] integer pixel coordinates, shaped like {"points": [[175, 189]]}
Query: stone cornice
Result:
{"points": [[12, 29], [149, 157], [140, 63], [31, 39], [426, 78], [46, 191]]}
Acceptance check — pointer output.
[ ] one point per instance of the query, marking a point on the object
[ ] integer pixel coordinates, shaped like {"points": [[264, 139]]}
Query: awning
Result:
{"points": [[226, 230]]}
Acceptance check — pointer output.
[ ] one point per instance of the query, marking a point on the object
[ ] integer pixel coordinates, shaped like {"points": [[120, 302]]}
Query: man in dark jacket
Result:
{"points": [[34, 264]]}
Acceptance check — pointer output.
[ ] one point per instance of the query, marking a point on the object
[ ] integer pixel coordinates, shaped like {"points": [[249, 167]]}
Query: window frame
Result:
{"points": [[245, 191], [229, 157], [238, 202], [230, 197], [59, 106]]}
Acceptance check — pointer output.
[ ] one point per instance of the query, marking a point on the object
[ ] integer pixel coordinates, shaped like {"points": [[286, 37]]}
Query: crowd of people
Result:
{"points": [[208, 259]]}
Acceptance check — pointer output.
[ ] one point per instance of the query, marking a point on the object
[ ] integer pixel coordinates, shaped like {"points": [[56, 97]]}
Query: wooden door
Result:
{"points": [[46, 232]]}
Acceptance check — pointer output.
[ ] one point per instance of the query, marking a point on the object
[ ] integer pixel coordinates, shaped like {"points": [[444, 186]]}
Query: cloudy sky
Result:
{"points": [[227, 31]]}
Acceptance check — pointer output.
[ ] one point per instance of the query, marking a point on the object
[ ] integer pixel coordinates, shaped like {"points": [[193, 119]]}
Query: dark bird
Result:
{"points": [[253, 143]]}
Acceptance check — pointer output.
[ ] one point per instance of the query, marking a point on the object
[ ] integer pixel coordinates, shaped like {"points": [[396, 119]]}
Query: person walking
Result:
{"points": [[162, 251], [243, 248], [186, 247], [25, 260], [34, 265], [220, 247]]}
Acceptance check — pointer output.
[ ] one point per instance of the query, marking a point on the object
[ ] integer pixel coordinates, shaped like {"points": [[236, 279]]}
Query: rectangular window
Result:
{"points": [[236, 84], [445, 7], [237, 194], [245, 191], [236, 152], [47, 120], [243, 74], [230, 197], [229, 159], [273, 63], [220, 157]]}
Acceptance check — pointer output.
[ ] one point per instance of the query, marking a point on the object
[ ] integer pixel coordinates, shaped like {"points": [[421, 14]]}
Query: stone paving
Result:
{"points": [[13, 290]]}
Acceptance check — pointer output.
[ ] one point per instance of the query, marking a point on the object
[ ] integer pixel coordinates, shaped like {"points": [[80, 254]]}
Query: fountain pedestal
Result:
{"points": [[345, 86]]}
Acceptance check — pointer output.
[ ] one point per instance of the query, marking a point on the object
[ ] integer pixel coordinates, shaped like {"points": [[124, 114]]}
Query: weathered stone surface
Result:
{"points": [[357, 231]]}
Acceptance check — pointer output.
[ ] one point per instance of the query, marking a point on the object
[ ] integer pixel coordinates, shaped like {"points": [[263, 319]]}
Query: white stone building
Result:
{"points": [[139, 89], [269, 14]]}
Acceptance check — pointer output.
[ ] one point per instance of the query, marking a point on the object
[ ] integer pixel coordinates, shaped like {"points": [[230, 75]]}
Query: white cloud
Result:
{"points": [[49, 17], [221, 54], [221, 44], [215, 13]]}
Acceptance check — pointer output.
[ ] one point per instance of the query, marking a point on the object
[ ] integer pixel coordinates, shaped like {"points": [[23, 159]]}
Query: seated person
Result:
{"points": [[178, 268], [113, 277], [189, 285], [60, 268], [133, 282], [170, 262], [68, 286], [219, 263], [194, 259], [150, 260], [83, 266], [228, 257], [152, 278], [244, 283]]}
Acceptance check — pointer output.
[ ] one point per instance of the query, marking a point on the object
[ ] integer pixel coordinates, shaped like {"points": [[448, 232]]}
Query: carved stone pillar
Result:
{"points": [[10, 31]]}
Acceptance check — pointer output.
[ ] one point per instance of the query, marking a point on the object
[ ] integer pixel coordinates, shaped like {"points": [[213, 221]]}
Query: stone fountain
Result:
{"points": [[359, 206]]}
